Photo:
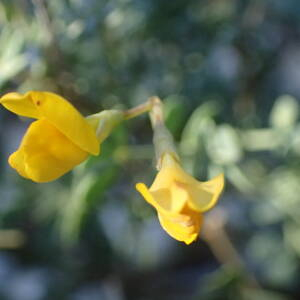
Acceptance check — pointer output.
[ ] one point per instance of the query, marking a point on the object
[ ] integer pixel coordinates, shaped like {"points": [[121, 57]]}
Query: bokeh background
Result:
{"points": [[228, 72]]}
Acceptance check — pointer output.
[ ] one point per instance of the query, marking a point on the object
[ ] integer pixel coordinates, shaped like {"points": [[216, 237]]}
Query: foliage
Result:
{"points": [[228, 72]]}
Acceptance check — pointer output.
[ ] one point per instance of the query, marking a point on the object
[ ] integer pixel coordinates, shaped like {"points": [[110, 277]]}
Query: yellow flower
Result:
{"points": [[58, 140], [180, 199]]}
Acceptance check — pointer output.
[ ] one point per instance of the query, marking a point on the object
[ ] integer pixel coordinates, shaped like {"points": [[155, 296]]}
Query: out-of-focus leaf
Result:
{"points": [[84, 192], [198, 124], [262, 294], [275, 262], [12, 42], [285, 112], [295, 140], [239, 179], [221, 284], [292, 236], [265, 213], [261, 139], [11, 60], [12, 67], [175, 113], [224, 146], [283, 189]]}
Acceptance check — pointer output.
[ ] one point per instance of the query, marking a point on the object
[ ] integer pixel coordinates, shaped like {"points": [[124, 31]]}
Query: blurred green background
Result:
{"points": [[228, 72]]}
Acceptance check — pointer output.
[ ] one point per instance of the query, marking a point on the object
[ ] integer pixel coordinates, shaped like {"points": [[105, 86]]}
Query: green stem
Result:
{"points": [[138, 110], [162, 138]]}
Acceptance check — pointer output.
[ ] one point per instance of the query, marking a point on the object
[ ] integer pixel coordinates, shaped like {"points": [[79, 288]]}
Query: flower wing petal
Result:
{"points": [[143, 189], [205, 195], [66, 119], [169, 201]]}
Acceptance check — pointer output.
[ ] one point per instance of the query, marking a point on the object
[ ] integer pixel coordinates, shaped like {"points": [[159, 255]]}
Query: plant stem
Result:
{"points": [[138, 110], [222, 247], [156, 112], [162, 138]]}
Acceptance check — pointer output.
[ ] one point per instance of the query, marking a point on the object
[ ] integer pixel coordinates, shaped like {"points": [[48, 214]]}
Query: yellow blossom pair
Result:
{"points": [[62, 138]]}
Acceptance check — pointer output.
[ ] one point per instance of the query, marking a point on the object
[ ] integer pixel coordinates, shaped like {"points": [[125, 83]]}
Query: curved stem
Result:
{"points": [[156, 112], [138, 110]]}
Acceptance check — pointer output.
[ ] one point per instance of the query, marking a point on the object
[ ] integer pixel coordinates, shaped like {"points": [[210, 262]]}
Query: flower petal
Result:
{"points": [[205, 195], [16, 161], [142, 188], [45, 153], [66, 119], [57, 111], [179, 229], [179, 196], [164, 200], [20, 105]]}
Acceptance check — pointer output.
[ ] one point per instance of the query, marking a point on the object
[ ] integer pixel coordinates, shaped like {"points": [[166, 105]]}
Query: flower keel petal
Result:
{"points": [[45, 153]]}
